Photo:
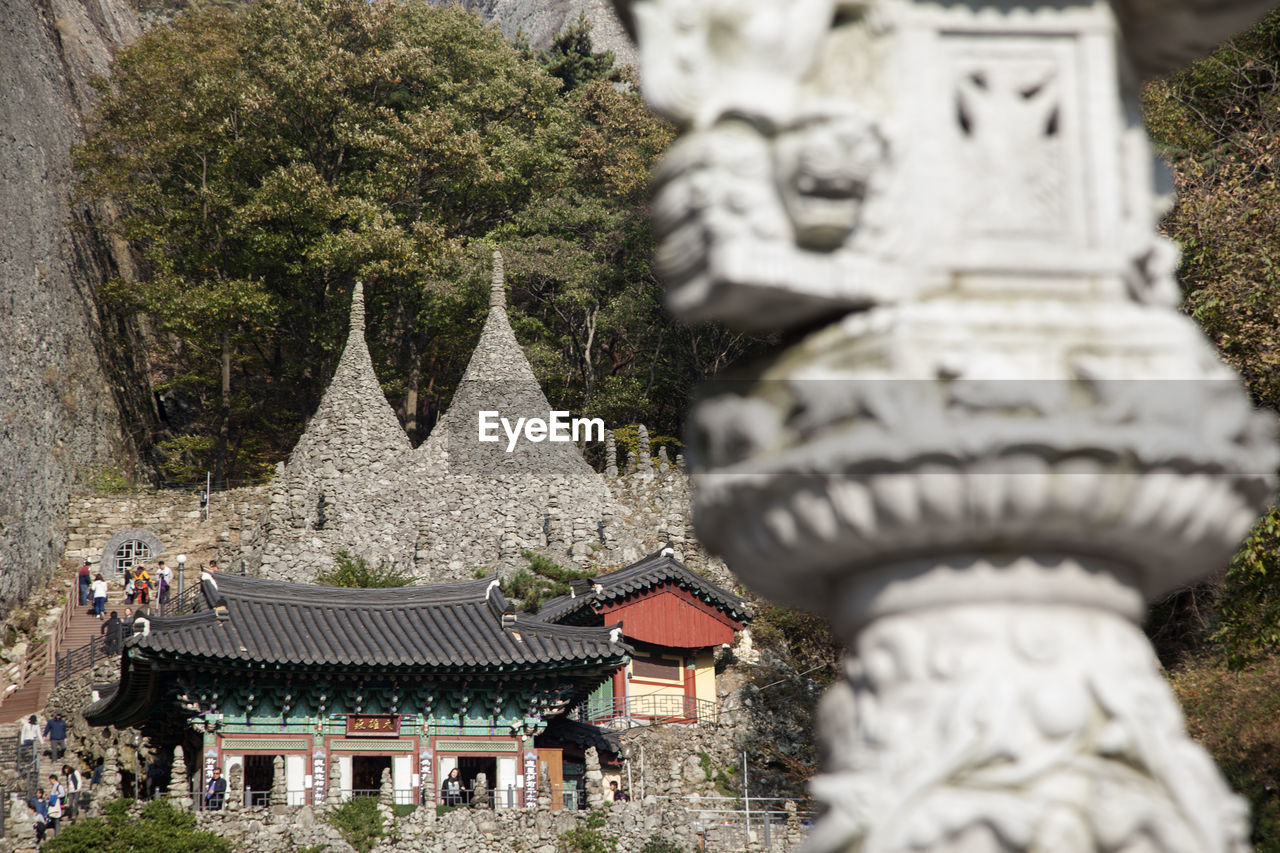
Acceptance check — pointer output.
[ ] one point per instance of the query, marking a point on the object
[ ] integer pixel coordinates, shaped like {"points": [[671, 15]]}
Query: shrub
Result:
{"points": [[356, 573], [359, 822], [160, 828], [586, 837]]}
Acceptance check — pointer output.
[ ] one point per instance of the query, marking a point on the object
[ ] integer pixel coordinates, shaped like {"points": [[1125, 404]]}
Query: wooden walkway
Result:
{"points": [[74, 629]]}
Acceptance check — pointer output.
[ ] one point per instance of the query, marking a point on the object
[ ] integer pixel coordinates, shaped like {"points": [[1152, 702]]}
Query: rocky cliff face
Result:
{"points": [[540, 20], [63, 406]]}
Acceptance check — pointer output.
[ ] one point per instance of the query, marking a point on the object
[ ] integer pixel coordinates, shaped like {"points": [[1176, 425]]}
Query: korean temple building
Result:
{"points": [[426, 678], [417, 680], [674, 618]]}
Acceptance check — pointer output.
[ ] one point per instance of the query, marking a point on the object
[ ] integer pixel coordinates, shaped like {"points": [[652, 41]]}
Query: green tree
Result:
{"points": [[1217, 124], [265, 158]]}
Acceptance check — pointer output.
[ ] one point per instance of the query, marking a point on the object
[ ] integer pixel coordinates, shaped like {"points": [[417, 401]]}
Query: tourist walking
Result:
{"points": [[99, 588], [40, 805], [112, 634], [74, 792], [83, 580], [57, 802], [164, 581], [129, 589], [30, 737], [56, 730], [142, 586]]}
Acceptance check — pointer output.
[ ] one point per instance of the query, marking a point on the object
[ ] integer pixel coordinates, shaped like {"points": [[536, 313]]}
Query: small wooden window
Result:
{"points": [[653, 666]]}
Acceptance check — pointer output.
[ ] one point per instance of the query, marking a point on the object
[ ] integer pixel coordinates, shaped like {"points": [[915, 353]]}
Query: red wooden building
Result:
{"points": [[674, 618]]}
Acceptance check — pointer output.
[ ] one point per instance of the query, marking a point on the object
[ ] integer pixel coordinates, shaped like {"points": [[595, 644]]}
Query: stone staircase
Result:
{"points": [[75, 629]]}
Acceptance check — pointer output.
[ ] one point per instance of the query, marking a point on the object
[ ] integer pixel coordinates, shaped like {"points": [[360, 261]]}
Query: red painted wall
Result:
{"points": [[670, 616]]}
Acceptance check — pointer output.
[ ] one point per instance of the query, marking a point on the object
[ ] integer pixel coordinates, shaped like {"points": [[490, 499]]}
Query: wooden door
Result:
{"points": [[553, 761]]}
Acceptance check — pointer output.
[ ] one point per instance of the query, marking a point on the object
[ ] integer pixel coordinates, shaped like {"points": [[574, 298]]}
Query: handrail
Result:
{"points": [[42, 654], [647, 709]]}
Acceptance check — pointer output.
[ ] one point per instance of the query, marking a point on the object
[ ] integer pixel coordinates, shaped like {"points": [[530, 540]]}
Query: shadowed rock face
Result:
{"points": [[540, 20], [67, 385]]}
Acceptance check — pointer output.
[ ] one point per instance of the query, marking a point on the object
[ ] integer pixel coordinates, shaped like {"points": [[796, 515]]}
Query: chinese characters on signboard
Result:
{"points": [[317, 775], [373, 725], [530, 778]]}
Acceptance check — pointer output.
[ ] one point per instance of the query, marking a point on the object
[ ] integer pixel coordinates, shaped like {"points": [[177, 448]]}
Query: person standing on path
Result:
{"points": [[40, 805], [83, 580], [99, 587], [29, 737], [56, 730], [112, 634], [57, 802], [73, 791], [164, 580]]}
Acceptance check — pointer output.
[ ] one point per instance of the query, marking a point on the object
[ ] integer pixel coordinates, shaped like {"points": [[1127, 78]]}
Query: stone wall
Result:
{"points": [[537, 830], [174, 516]]}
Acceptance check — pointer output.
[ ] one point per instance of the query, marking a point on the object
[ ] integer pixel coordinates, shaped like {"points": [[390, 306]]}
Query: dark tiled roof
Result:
{"points": [[657, 568], [446, 626]]}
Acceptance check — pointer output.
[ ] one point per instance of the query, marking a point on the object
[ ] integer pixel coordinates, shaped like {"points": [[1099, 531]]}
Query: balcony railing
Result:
{"points": [[628, 711]]}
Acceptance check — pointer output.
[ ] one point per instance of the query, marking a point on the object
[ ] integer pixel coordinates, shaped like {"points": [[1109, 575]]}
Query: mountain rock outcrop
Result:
{"points": [[540, 20], [63, 404]]}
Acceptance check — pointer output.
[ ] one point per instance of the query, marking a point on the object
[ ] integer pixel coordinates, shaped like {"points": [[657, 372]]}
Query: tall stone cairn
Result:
{"points": [[631, 461], [335, 783], [593, 779], [545, 794], [988, 438], [480, 792], [235, 788], [465, 494], [326, 498], [387, 801], [179, 785], [111, 780], [610, 455], [664, 462], [279, 785], [646, 461]]}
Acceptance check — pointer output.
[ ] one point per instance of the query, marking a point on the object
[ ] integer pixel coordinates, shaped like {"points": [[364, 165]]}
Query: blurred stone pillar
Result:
{"points": [[989, 439]]}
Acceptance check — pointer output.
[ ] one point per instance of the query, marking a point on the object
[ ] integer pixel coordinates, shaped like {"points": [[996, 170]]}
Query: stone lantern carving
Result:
{"points": [[991, 438]]}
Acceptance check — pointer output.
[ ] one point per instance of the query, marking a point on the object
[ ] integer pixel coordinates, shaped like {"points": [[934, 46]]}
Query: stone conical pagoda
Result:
{"points": [[477, 495], [322, 498]]}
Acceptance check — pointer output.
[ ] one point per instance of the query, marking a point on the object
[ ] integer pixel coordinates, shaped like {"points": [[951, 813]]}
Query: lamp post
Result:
{"points": [[182, 570]]}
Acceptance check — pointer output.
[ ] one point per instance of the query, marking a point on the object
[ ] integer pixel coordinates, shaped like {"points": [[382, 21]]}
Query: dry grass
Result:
{"points": [[1236, 715]]}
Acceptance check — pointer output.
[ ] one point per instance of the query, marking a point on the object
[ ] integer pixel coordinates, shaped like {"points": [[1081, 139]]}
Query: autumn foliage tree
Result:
{"points": [[1218, 125]]}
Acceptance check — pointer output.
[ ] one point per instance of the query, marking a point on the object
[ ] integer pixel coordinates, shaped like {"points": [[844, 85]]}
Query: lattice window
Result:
{"points": [[130, 554]]}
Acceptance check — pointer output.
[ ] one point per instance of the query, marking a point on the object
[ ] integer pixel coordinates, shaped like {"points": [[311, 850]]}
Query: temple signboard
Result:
{"points": [[373, 725]]}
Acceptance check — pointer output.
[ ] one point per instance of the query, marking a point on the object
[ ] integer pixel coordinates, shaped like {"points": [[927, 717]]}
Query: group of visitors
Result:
{"points": [[64, 798], [139, 584]]}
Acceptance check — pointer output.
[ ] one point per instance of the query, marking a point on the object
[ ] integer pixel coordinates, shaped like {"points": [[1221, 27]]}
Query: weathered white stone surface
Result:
{"points": [[993, 439]]}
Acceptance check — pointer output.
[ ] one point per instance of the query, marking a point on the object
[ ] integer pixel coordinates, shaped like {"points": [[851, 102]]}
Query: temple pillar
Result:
{"points": [[988, 438]]}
